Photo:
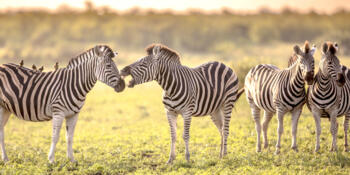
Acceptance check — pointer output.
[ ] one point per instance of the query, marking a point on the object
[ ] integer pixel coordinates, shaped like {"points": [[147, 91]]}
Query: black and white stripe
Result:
{"points": [[40, 96], [329, 95], [209, 89], [279, 91]]}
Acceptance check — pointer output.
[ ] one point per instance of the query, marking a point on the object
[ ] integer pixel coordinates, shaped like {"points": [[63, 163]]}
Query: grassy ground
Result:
{"points": [[128, 133]]}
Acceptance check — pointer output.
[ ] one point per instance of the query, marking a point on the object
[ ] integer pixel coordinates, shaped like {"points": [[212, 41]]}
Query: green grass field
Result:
{"points": [[128, 133]]}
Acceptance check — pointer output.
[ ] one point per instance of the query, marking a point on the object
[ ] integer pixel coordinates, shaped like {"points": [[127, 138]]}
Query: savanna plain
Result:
{"points": [[128, 132]]}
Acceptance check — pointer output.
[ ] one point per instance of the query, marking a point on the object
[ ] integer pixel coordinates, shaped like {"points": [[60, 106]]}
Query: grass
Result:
{"points": [[128, 133]]}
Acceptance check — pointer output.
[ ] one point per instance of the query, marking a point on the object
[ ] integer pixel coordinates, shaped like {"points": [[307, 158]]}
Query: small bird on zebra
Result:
{"points": [[56, 66], [34, 67], [55, 95], [328, 96], [273, 90], [209, 89], [41, 69]]}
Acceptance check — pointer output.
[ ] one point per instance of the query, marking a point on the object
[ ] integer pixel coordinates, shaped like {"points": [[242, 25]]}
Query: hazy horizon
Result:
{"points": [[249, 6]]}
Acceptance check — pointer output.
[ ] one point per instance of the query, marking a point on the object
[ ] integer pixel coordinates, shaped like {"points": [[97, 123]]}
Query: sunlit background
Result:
{"points": [[252, 6], [128, 132], [43, 32]]}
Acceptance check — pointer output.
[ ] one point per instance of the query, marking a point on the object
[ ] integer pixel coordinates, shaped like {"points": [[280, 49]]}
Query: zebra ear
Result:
{"points": [[336, 46], [156, 50], [297, 50], [324, 48], [306, 47]]}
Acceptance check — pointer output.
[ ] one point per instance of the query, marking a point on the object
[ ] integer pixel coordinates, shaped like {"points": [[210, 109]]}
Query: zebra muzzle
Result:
{"points": [[131, 83], [309, 78], [340, 79], [120, 86]]}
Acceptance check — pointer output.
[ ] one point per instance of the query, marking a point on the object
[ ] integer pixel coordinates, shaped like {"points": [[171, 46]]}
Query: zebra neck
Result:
{"points": [[82, 77], [297, 81], [323, 81], [170, 79]]}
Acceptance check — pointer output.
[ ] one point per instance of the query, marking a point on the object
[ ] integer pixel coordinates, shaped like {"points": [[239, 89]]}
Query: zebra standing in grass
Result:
{"points": [[57, 95], [329, 95], [210, 89], [274, 90]]}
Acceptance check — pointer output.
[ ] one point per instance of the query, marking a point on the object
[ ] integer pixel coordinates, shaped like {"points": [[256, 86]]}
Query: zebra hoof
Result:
{"points": [[73, 160], [333, 149], [277, 152], [5, 159], [295, 148], [258, 150], [170, 161]]}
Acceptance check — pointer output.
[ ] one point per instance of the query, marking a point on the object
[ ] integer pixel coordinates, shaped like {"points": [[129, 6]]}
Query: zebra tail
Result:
{"points": [[239, 93]]}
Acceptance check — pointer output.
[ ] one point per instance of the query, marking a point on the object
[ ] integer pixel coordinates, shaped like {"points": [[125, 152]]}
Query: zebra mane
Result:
{"points": [[107, 51], [164, 50], [81, 57], [293, 59]]}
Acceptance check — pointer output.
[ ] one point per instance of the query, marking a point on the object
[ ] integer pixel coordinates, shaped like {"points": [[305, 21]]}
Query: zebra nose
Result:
{"points": [[340, 79], [309, 77], [120, 86]]}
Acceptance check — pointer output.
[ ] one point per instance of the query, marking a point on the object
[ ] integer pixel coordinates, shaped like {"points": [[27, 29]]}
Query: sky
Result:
{"points": [[324, 6]]}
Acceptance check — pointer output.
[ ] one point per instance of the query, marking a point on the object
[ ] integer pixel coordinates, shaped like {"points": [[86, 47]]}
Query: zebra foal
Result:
{"points": [[57, 95], [209, 89], [279, 91], [328, 96]]}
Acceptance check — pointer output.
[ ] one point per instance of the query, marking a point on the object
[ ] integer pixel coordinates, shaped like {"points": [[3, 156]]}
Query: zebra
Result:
{"points": [[41, 96], [328, 96], [279, 91], [209, 89]]}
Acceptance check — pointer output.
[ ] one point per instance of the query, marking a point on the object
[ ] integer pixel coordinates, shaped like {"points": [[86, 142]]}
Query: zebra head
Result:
{"points": [[330, 64], [307, 61], [147, 68], [106, 70]]}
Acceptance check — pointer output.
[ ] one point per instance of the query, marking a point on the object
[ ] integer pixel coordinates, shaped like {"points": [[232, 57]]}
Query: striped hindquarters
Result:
{"points": [[266, 86], [216, 86], [26, 93]]}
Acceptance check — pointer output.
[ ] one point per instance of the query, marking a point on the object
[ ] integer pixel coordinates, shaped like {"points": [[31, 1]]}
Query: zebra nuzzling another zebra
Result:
{"points": [[279, 91], [57, 95], [209, 89], [329, 95]]}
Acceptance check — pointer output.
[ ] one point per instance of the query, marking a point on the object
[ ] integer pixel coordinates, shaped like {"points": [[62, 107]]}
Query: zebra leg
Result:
{"points": [[57, 121], [226, 127], [265, 125], [186, 134], [280, 114], [217, 118], [70, 126], [346, 127], [317, 117], [4, 116], [256, 116], [334, 130], [172, 116], [295, 119]]}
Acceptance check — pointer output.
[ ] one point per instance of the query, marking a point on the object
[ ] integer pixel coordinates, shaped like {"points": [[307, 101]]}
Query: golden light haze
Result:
{"points": [[322, 6]]}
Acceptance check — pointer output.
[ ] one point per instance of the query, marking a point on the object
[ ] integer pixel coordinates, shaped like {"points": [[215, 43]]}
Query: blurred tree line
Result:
{"points": [[41, 35]]}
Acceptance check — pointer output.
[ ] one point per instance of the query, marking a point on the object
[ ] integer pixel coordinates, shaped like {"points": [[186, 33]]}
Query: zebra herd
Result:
{"points": [[209, 89]]}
